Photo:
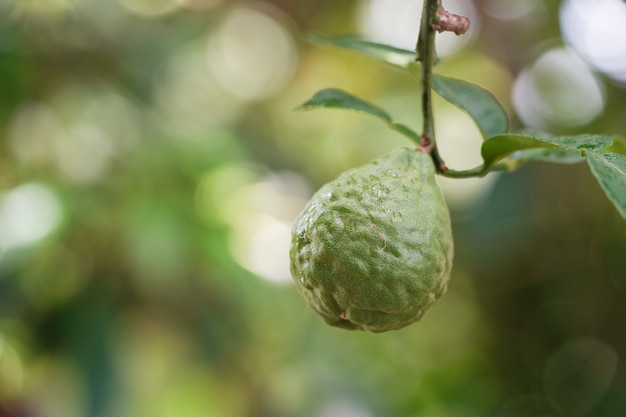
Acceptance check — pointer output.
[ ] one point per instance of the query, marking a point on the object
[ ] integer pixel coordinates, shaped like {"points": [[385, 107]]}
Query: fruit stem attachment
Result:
{"points": [[468, 173], [426, 54], [434, 19]]}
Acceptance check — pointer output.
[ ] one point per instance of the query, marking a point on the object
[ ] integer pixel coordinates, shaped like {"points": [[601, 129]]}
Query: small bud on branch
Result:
{"points": [[449, 22]]}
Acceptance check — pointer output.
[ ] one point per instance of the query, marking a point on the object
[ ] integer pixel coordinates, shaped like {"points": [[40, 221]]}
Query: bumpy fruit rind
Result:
{"points": [[373, 249]]}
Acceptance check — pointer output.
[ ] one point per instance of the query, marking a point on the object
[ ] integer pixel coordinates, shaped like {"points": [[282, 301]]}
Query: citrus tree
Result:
{"points": [[338, 262]]}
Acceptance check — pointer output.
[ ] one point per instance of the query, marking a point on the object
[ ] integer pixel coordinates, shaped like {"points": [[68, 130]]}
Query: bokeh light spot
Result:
{"points": [[79, 131], [558, 89], [28, 213], [578, 375], [186, 92], [263, 248], [251, 54], [259, 208], [261, 239], [84, 153], [596, 30], [217, 191]]}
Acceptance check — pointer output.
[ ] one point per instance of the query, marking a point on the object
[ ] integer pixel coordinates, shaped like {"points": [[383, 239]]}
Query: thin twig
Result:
{"points": [[426, 54], [436, 19]]}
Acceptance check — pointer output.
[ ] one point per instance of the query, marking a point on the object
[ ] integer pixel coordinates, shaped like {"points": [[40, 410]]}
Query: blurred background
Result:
{"points": [[151, 167]]}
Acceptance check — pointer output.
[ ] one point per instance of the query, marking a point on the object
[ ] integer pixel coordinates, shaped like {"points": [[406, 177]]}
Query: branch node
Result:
{"points": [[426, 145], [450, 22]]}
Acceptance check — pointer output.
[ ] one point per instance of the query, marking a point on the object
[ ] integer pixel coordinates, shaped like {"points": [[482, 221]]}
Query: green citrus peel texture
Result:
{"points": [[373, 249]]}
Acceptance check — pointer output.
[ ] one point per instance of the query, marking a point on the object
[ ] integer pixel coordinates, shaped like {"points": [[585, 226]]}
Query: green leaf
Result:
{"points": [[610, 171], [387, 53], [546, 155], [499, 147], [605, 156], [480, 104], [522, 148], [519, 158], [406, 131], [608, 167], [331, 98], [580, 144]]}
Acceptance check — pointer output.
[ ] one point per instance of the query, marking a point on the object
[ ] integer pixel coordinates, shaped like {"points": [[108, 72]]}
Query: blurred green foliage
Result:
{"points": [[150, 168]]}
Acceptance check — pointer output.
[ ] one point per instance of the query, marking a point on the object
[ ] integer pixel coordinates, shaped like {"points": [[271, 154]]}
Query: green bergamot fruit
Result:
{"points": [[372, 250]]}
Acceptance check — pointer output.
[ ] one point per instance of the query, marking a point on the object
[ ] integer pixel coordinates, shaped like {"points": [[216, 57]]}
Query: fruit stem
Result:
{"points": [[474, 172], [426, 54], [435, 19]]}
